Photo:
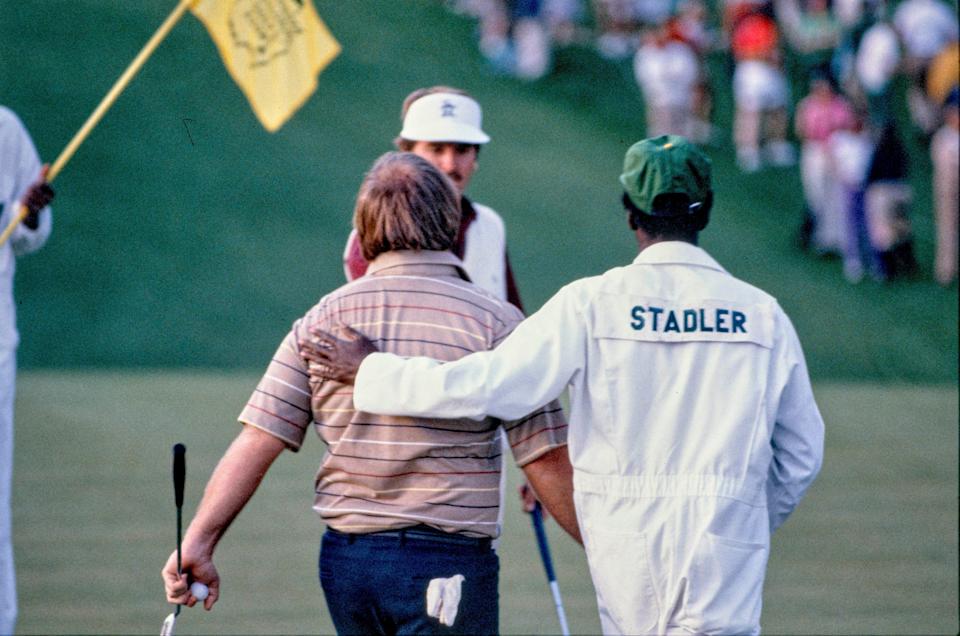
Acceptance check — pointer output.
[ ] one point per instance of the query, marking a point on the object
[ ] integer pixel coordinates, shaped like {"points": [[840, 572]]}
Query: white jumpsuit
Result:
{"points": [[19, 168], [693, 429]]}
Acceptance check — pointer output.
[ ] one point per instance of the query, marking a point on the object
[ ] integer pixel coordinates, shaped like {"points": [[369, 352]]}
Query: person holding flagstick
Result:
{"points": [[22, 184], [276, 88], [444, 125]]}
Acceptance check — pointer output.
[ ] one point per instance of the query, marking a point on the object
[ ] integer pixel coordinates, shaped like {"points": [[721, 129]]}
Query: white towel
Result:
{"points": [[443, 599]]}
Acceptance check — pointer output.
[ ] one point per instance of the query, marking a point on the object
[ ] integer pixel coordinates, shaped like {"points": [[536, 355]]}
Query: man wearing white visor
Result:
{"points": [[444, 126]]}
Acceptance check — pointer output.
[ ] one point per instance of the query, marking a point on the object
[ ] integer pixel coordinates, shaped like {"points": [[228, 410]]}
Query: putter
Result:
{"points": [[179, 474], [537, 517]]}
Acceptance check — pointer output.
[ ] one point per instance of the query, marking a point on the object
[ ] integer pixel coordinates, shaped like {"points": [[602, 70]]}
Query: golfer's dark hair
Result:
{"points": [[406, 145], [405, 203], [680, 224]]}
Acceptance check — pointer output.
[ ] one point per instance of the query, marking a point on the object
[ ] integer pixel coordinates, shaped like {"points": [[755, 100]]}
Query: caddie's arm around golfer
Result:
{"points": [[230, 487], [338, 356], [529, 368]]}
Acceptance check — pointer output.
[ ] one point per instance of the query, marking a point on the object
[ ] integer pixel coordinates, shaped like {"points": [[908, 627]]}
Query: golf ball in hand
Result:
{"points": [[199, 590]]}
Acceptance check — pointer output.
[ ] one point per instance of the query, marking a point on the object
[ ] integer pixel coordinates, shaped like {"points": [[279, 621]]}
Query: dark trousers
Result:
{"points": [[377, 583]]}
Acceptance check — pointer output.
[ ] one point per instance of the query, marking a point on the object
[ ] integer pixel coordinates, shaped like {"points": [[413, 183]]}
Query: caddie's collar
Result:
{"points": [[676, 253], [413, 262]]}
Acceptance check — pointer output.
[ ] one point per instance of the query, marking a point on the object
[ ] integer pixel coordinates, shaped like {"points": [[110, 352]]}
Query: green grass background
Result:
{"points": [[872, 550], [187, 239], [171, 233]]}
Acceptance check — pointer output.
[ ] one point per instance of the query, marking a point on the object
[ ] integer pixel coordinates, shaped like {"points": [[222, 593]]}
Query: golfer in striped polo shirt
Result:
{"points": [[410, 503]]}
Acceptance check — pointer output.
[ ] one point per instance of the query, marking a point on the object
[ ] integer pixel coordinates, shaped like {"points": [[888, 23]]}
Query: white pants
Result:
{"points": [[759, 86], [823, 195], [675, 565], [8, 584]]}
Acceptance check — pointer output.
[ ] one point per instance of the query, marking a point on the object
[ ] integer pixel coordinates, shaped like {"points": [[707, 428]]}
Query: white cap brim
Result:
{"points": [[445, 117]]}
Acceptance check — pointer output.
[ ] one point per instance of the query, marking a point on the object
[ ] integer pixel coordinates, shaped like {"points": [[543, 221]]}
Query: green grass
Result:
{"points": [[167, 240], [872, 550]]}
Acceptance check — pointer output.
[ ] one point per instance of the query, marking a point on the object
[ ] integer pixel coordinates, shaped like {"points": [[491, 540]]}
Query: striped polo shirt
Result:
{"points": [[384, 472]]}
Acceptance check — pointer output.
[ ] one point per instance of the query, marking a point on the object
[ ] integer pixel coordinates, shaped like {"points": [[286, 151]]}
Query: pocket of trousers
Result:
{"points": [[620, 566], [725, 587]]}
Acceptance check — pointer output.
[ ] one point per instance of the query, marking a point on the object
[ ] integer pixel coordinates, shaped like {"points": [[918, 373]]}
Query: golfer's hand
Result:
{"points": [[177, 586], [38, 196], [528, 499], [335, 356]]}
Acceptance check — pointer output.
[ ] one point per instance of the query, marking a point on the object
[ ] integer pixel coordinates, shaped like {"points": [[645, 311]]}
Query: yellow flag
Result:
{"points": [[274, 49]]}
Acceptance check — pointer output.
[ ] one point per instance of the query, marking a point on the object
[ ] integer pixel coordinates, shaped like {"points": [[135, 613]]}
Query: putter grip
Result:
{"points": [[537, 516], [179, 472]]}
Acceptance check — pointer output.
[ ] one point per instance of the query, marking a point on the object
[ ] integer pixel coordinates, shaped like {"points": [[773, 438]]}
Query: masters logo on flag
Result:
{"points": [[274, 50]]}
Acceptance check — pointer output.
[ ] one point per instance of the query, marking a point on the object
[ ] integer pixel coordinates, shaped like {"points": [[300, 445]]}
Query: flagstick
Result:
{"points": [[104, 106]]}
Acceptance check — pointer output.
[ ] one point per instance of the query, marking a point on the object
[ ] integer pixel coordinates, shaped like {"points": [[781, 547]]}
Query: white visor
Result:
{"points": [[444, 117]]}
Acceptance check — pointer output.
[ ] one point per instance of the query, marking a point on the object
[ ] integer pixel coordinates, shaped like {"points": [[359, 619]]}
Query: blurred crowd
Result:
{"points": [[813, 83]]}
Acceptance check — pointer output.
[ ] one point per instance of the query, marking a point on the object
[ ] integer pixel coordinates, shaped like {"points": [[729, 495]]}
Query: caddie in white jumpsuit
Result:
{"points": [[19, 172], [693, 427]]}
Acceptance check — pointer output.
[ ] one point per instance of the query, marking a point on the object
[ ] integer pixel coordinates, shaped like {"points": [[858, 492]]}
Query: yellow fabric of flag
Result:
{"points": [[273, 49]]}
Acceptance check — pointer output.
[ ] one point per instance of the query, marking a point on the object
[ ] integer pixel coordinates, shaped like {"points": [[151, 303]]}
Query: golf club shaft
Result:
{"points": [[561, 613], [537, 517], [179, 476]]}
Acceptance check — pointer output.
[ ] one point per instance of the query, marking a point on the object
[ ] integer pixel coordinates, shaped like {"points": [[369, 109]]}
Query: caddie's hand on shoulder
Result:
{"points": [[335, 356]]}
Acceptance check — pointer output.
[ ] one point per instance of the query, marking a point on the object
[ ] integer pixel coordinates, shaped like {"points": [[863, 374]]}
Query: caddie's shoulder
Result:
{"points": [[578, 294], [750, 292]]}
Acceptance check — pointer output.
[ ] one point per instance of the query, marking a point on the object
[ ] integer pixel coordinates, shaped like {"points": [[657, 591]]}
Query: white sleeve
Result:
{"points": [[528, 369], [25, 163], [797, 435]]}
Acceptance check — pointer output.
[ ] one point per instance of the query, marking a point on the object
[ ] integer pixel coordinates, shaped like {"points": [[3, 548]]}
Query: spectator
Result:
{"points": [[945, 152], [848, 13], [876, 63], [690, 26], [821, 113], [531, 39], [668, 72], [617, 26], [517, 35], [620, 21], [887, 201], [926, 28], [563, 18], [494, 39], [761, 95], [810, 30], [852, 20], [850, 149], [943, 76], [736, 10]]}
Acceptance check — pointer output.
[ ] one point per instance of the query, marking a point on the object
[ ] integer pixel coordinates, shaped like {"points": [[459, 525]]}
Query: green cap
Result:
{"points": [[668, 164]]}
